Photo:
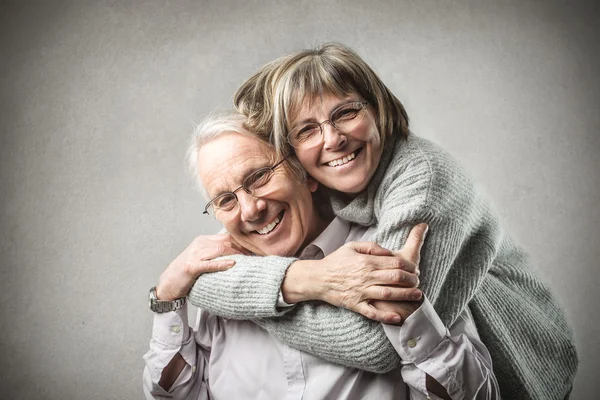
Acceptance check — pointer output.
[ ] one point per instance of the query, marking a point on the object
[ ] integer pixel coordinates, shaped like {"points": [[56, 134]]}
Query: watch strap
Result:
{"points": [[163, 306]]}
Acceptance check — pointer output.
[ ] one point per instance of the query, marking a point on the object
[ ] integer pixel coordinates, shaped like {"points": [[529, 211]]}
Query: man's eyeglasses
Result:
{"points": [[255, 184], [344, 118]]}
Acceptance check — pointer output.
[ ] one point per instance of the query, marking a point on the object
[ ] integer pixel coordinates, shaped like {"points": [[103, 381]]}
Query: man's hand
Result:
{"points": [[196, 259], [357, 274]]}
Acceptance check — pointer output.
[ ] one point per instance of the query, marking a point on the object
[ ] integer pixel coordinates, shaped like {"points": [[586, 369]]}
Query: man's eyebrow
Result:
{"points": [[246, 172]]}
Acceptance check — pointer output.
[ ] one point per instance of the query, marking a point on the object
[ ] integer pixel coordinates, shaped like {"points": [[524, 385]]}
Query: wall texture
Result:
{"points": [[98, 98]]}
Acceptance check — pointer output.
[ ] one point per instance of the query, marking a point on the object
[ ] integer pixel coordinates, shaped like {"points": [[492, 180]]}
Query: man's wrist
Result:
{"points": [[158, 305]]}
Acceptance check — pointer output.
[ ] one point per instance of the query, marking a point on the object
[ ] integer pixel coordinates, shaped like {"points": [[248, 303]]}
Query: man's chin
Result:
{"points": [[279, 250]]}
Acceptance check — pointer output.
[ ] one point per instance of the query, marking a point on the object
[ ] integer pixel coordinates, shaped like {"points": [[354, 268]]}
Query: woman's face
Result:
{"points": [[344, 161]]}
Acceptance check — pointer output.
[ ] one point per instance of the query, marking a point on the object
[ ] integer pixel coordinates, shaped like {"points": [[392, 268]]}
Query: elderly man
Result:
{"points": [[267, 207]]}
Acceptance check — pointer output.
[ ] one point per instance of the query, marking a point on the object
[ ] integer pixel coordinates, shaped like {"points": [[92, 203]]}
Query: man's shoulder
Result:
{"points": [[360, 233]]}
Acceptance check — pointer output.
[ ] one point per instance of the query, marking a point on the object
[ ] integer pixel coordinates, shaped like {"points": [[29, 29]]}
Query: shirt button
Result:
{"points": [[175, 329], [412, 343]]}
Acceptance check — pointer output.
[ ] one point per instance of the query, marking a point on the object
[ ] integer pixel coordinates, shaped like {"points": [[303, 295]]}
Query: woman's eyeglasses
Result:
{"points": [[344, 118]]}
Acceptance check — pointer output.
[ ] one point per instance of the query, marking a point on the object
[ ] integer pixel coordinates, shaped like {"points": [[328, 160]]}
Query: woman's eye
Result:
{"points": [[346, 114], [306, 132]]}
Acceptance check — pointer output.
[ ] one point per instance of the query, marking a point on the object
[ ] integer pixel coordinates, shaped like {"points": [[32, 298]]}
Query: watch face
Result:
{"points": [[152, 299]]}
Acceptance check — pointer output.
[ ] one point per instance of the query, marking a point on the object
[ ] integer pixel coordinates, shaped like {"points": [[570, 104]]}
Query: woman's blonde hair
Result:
{"points": [[273, 96]]}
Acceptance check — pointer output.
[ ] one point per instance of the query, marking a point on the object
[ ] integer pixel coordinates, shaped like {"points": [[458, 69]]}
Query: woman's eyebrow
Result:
{"points": [[340, 103]]}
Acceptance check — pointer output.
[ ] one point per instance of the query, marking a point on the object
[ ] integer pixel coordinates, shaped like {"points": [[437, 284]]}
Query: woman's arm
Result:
{"points": [[335, 334], [468, 259], [346, 278]]}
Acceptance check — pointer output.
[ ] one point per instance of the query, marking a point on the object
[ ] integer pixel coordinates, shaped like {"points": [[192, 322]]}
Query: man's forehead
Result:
{"points": [[229, 159]]}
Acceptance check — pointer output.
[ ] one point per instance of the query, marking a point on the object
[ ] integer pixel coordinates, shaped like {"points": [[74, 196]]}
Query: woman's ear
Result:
{"points": [[312, 184]]}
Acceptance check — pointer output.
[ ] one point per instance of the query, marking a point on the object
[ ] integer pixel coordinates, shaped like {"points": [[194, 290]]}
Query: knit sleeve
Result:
{"points": [[467, 259], [335, 334], [463, 234], [249, 291]]}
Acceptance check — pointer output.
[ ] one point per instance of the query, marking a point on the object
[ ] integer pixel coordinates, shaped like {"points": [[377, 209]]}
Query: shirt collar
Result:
{"points": [[333, 237]]}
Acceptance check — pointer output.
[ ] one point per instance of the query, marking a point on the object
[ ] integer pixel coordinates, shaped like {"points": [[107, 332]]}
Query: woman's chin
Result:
{"points": [[352, 185]]}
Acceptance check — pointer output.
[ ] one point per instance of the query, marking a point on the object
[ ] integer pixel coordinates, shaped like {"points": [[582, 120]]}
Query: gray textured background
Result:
{"points": [[98, 99]]}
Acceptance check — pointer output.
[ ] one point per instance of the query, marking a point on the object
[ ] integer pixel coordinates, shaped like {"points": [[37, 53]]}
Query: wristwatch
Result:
{"points": [[162, 306]]}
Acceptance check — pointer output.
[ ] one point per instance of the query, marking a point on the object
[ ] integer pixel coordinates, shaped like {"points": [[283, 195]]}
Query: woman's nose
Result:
{"points": [[333, 139]]}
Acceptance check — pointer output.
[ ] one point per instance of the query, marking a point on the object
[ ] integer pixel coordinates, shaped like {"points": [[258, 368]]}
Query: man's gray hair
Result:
{"points": [[216, 125]]}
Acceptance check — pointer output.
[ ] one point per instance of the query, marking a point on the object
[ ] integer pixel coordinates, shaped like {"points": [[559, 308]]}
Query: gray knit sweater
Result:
{"points": [[467, 260]]}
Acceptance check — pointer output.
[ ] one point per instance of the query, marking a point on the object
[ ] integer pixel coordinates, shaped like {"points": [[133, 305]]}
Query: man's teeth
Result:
{"points": [[270, 227], [343, 160]]}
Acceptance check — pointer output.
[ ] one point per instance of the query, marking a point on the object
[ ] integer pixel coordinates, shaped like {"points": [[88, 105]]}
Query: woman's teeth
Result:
{"points": [[343, 160], [270, 227]]}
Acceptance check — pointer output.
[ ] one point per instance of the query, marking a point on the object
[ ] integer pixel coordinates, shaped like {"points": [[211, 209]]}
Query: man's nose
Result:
{"points": [[333, 139], [250, 206]]}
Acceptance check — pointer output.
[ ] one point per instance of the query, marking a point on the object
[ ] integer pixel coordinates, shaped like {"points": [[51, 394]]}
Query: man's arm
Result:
{"points": [[174, 364], [451, 364]]}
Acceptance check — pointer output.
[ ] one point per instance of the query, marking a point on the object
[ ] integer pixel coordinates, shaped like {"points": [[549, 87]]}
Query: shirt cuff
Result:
{"points": [[419, 335], [281, 302], [171, 328]]}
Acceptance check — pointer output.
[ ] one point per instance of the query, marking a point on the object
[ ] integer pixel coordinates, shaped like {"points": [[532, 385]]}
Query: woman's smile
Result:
{"points": [[345, 161]]}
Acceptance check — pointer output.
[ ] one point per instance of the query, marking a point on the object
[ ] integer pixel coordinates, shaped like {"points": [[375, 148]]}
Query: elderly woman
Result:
{"points": [[249, 185], [351, 134]]}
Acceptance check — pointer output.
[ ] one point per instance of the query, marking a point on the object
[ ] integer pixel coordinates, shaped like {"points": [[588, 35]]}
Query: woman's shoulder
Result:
{"points": [[423, 171], [422, 154]]}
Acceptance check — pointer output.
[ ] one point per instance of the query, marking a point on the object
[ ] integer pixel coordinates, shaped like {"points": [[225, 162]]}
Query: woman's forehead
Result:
{"points": [[322, 102]]}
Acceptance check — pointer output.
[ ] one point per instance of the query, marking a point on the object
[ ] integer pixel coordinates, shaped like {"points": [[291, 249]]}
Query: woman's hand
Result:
{"points": [[357, 273], [196, 259], [402, 308]]}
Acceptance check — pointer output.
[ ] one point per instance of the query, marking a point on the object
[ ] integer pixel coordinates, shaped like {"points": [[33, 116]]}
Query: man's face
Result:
{"points": [[279, 223]]}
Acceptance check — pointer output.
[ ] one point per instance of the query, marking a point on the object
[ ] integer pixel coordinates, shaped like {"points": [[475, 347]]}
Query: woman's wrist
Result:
{"points": [[300, 283]]}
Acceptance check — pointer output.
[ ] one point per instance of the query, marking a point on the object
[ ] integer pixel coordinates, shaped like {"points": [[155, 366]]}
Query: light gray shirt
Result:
{"points": [[233, 359]]}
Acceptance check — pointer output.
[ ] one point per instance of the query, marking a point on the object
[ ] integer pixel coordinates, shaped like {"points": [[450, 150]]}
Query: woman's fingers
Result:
{"points": [[392, 263], [392, 293], [203, 267], [208, 247], [412, 248], [403, 308], [396, 277], [224, 240], [371, 248], [367, 310]]}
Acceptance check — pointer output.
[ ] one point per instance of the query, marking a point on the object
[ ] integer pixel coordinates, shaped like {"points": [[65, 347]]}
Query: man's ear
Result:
{"points": [[312, 184]]}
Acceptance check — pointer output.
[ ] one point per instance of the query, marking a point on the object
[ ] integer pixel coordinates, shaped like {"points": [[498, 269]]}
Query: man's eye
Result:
{"points": [[258, 179], [225, 202]]}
